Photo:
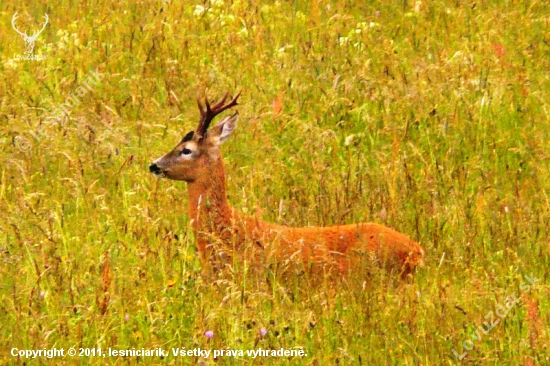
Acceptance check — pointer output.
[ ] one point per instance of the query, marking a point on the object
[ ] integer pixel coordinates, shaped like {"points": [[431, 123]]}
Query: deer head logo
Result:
{"points": [[29, 40]]}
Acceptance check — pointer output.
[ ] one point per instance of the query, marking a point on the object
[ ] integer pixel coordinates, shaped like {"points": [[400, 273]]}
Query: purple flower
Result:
{"points": [[209, 334], [263, 332], [126, 317], [377, 13]]}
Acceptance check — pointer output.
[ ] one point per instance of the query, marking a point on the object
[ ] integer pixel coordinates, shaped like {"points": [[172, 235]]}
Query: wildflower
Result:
{"points": [[263, 332], [342, 41], [199, 10], [209, 334]]}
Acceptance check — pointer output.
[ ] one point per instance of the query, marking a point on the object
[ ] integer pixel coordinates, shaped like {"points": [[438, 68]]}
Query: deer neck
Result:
{"points": [[209, 210]]}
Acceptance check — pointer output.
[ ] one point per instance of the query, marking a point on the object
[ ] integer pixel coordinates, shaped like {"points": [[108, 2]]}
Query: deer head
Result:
{"points": [[29, 40], [193, 157]]}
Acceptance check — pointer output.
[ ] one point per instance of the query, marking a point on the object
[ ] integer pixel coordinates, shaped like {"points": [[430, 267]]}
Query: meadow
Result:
{"points": [[428, 117]]}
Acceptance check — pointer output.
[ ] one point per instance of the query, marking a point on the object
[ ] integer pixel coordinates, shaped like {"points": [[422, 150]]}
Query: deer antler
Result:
{"points": [[13, 19], [208, 114]]}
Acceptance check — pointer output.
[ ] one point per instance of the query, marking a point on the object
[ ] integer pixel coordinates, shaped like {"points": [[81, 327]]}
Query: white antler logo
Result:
{"points": [[29, 40]]}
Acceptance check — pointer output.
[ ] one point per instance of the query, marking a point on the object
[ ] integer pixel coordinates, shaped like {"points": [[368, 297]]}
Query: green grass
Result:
{"points": [[431, 118]]}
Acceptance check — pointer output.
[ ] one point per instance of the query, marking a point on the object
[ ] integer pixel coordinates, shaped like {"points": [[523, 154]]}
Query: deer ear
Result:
{"points": [[223, 130]]}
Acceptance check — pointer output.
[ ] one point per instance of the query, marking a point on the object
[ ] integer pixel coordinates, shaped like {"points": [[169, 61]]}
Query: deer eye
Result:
{"points": [[186, 151]]}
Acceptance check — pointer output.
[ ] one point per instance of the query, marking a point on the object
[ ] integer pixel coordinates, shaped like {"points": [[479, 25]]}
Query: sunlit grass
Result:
{"points": [[429, 118]]}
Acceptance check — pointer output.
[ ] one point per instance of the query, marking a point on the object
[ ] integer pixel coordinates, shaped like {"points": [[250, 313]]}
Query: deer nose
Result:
{"points": [[154, 168]]}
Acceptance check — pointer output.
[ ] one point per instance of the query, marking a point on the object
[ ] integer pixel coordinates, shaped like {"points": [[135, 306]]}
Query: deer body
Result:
{"points": [[198, 161]]}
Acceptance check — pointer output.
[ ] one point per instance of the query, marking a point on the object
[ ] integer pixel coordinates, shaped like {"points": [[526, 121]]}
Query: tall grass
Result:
{"points": [[429, 117]]}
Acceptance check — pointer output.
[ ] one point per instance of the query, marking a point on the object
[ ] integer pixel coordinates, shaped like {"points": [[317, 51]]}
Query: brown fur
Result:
{"points": [[214, 221]]}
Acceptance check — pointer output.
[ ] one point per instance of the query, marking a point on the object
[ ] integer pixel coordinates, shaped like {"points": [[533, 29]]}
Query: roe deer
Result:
{"points": [[197, 160]]}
